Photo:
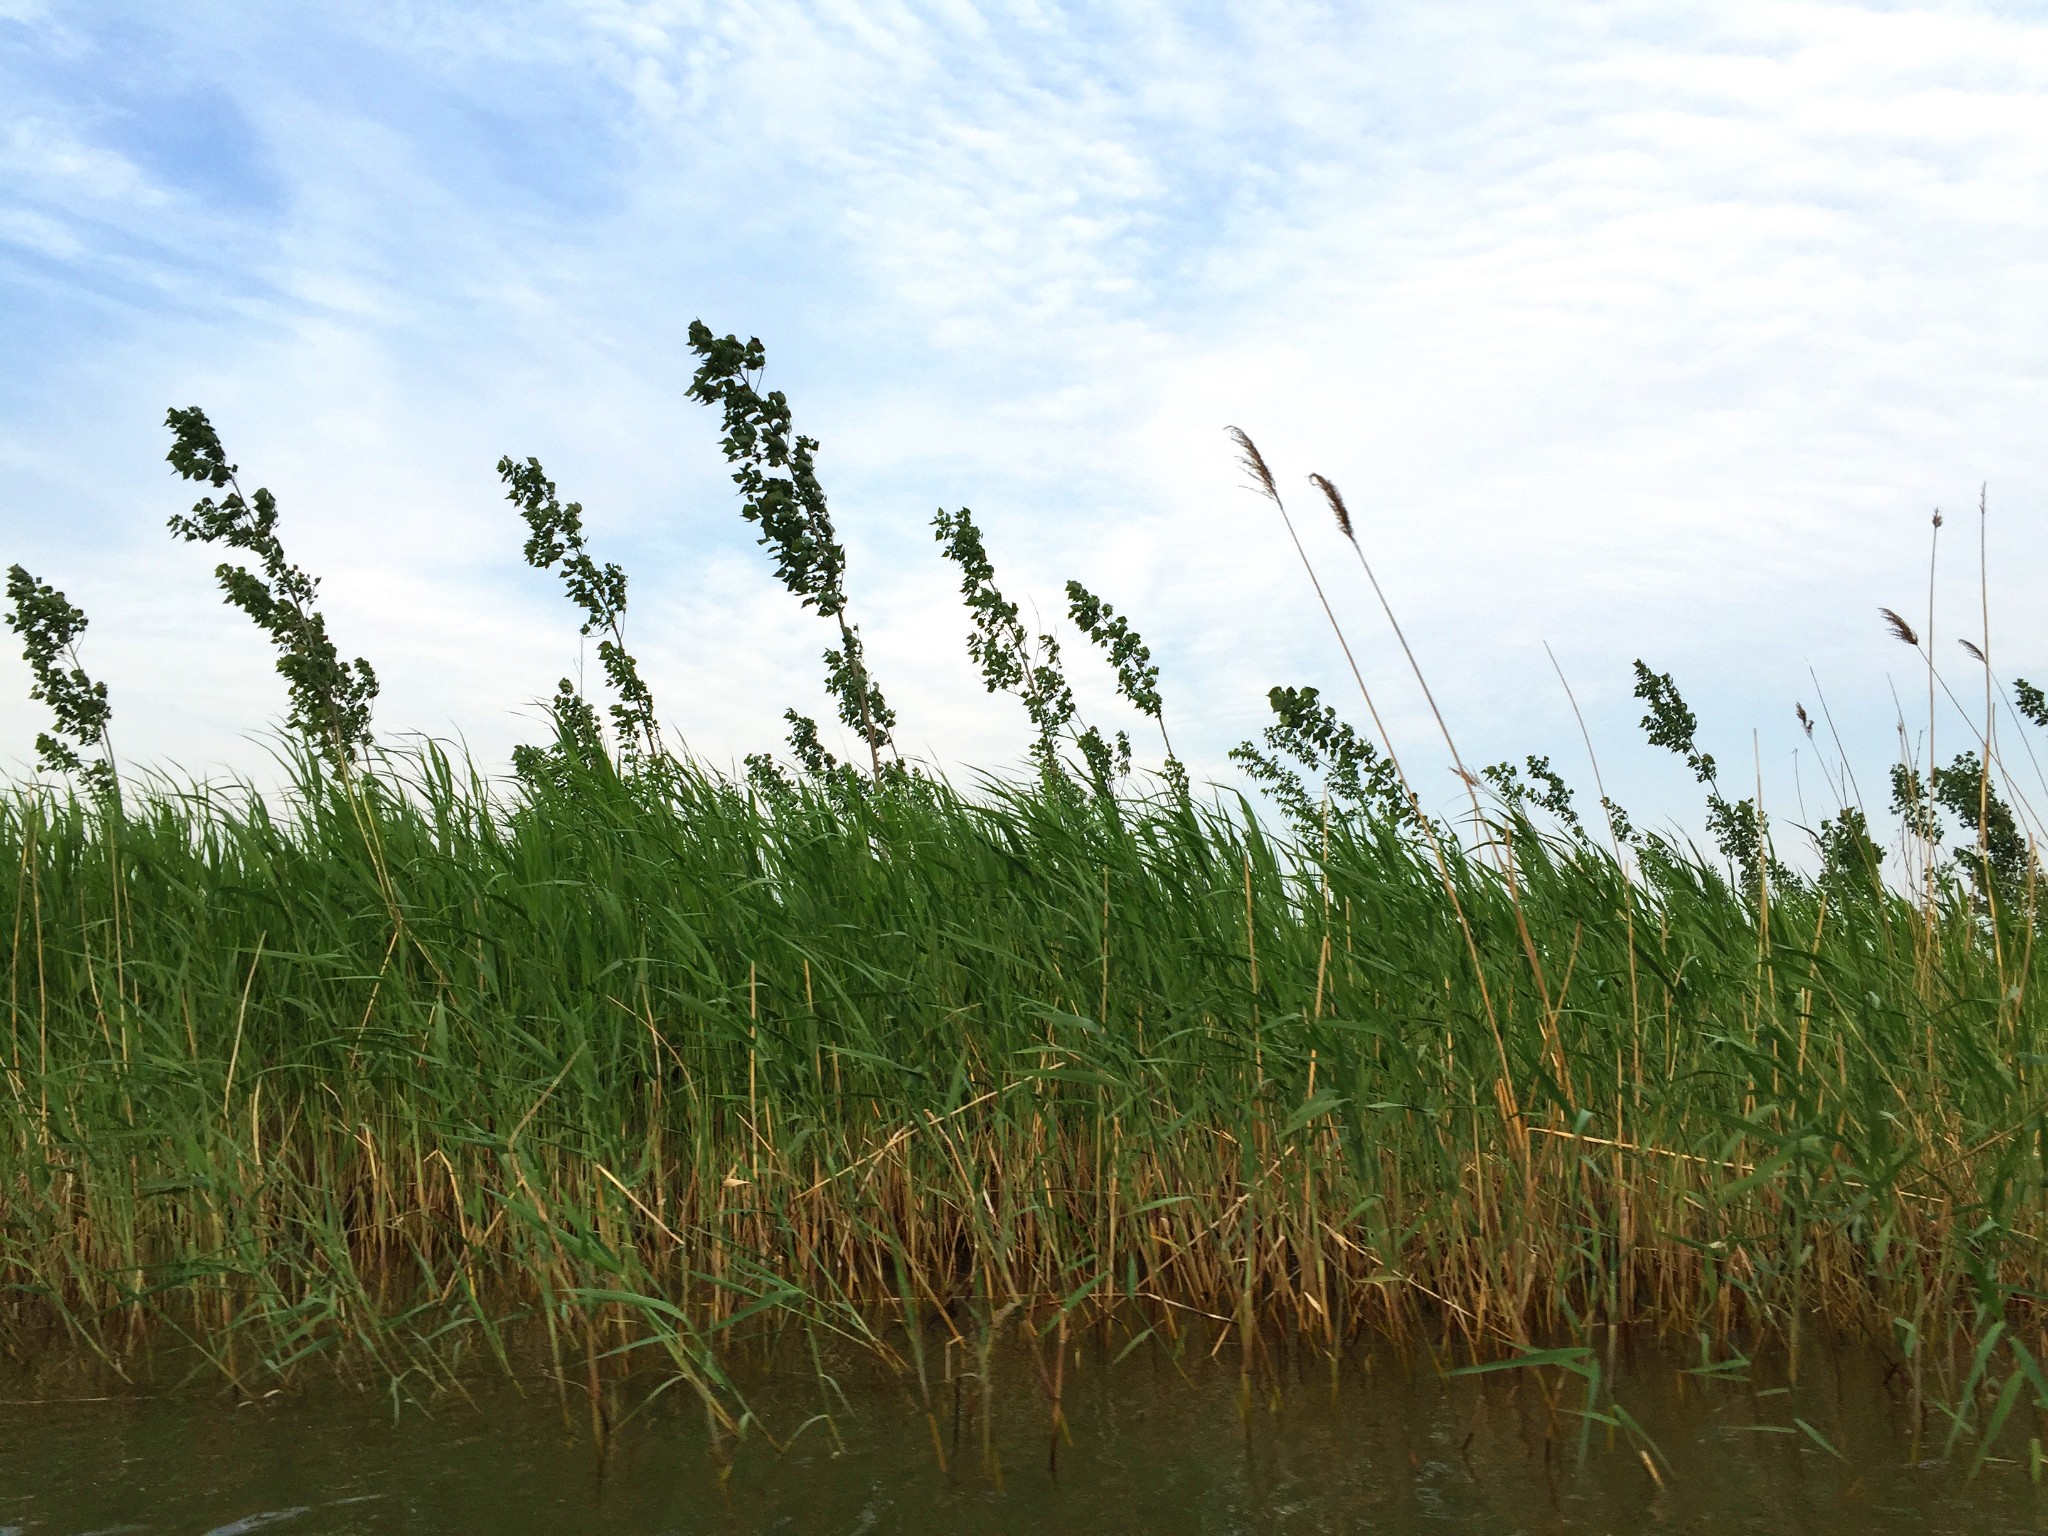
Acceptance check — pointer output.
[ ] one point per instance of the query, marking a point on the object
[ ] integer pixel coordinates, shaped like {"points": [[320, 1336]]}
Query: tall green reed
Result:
{"points": [[405, 1069]]}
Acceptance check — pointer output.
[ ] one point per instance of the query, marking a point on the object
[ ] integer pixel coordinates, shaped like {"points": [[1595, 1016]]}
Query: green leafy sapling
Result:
{"points": [[1137, 678], [1547, 791], [555, 539], [1737, 825], [1012, 660], [50, 628], [778, 481], [2032, 702], [330, 698], [1997, 854], [578, 746], [840, 781], [1307, 734], [1914, 804], [1851, 862]]}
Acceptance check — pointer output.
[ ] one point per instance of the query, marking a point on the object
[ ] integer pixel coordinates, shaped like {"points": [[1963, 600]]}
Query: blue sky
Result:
{"points": [[1640, 330]]}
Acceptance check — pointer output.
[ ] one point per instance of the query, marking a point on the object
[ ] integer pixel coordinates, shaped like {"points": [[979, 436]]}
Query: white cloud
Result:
{"points": [[47, 156], [1648, 331]]}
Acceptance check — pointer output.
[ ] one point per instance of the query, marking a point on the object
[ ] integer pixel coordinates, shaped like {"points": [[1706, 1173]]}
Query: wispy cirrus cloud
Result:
{"points": [[1649, 330]]}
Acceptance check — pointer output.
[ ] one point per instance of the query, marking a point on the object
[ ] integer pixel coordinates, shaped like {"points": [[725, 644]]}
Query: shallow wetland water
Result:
{"points": [[1386, 1445]]}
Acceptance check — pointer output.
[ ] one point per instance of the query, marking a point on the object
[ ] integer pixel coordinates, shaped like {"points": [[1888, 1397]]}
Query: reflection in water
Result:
{"points": [[1151, 1444]]}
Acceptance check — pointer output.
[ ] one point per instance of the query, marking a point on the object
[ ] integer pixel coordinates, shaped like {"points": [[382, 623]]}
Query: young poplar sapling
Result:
{"points": [[555, 539], [330, 698], [1308, 733], [1137, 678], [1737, 826], [1013, 661], [50, 627], [778, 481]]}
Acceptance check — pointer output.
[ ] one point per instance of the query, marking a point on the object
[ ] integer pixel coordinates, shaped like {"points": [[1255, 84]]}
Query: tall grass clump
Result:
{"points": [[406, 1068]]}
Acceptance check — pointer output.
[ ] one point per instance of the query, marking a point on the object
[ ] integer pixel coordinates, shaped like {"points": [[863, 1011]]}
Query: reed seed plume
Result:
{"points": [[1900, 628], [1335, 498], [1254, 463], [1443, 860], [1971, 647], [1805, 720]]}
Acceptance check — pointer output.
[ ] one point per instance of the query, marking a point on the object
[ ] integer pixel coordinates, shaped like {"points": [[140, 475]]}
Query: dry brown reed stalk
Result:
{"points": [[1470, 780], [1990, 721], [1933, 550], [1628, 902]]}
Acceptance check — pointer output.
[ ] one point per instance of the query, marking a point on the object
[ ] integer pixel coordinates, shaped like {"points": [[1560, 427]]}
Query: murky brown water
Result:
{"points": [[1152, 1447]]}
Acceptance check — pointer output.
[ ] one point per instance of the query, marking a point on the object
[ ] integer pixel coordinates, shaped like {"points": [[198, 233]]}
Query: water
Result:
{"points": [[1152, 1446]]}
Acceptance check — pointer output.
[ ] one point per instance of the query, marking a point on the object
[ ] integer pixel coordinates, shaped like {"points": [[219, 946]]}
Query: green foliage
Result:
{"points": [[778, 481], [1737, 826], [1307, 734], [1013, 661], [1913, 803], [1852, 863], [1624, 829], [1548, 791], [1997, 853], [577, 751], [1670, 723], [50, 627], [2032, 702], [1137, 679], [555, 538], [330, 698]]}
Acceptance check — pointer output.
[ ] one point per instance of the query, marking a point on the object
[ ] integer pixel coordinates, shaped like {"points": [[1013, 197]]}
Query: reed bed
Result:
{"points": [[408, 1066], [622, 1058]]}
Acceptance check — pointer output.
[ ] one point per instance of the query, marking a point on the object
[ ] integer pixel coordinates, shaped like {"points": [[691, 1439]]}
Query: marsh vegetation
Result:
{"points": [[621, 1059]]}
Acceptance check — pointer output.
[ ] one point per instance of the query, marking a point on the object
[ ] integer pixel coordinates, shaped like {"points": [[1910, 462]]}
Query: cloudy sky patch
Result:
{"points": [[1647, 330]]}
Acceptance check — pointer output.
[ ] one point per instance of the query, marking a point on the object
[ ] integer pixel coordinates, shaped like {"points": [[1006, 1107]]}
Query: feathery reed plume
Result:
{"points": [[1255, 463], [1805, 720], [1900, 628], [1972, 649], [1335, 498]]}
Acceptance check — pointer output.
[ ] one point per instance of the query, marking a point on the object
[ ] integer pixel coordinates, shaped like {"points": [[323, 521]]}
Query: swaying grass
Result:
{"points": [[379, 1074], [409, 1069]]}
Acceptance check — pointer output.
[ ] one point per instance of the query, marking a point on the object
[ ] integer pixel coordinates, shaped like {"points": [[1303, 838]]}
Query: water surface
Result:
{"points": [[1151, 1445]]}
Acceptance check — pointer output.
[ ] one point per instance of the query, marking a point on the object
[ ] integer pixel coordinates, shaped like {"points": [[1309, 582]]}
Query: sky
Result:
{"points": [[1631, 331]]}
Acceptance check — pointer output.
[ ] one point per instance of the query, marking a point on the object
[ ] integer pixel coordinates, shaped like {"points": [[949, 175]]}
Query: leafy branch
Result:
{"points": [[778, 481], [1546, 790], [50, 627], [1013, 661], [330, 698], [1737, 826], [1137, 679], [555, 538], [1354, 772]]}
